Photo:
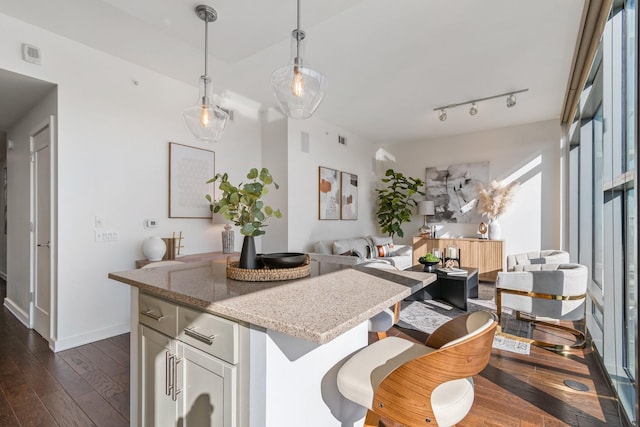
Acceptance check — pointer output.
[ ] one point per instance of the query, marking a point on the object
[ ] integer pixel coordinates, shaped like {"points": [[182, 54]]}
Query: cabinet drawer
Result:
{"points": [[158, 314], [211, 334]]}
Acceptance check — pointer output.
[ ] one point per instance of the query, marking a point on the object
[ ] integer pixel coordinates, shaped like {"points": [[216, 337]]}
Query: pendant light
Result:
{"points": [[205, 119], [297, 87]]}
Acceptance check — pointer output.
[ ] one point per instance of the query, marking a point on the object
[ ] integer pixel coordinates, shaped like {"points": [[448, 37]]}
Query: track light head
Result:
{"points": [[443, 115], [473, 110], [511, 100]]}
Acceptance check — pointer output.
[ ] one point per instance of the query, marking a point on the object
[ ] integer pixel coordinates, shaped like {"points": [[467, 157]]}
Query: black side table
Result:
{"points": [[455, 289]]}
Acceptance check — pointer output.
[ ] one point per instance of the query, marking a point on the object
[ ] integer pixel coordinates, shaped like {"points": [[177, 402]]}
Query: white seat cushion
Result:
{"points": [[382, 321], [360, 376], [451, 401]]}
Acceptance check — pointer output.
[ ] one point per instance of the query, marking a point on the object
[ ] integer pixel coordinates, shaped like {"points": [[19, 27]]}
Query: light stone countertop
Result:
{"points": [[316, 309]]}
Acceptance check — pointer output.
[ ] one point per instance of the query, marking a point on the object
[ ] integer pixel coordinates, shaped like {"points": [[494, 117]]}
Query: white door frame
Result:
{"points": [[50, 123]]}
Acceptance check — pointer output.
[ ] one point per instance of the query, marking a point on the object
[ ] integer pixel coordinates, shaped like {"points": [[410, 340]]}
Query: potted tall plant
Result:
{"points": [[242, 205], [396, 200]]}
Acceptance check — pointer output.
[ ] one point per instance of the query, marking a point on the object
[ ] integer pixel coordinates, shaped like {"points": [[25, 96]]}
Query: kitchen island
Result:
{"points": [[274, 352]]}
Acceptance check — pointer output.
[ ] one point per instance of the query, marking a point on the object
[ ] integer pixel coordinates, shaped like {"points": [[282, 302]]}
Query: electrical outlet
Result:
{"points": [[151, 223]]}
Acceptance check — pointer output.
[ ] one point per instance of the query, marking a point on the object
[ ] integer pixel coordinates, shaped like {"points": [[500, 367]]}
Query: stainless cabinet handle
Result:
{"points": [[174, 391], [44, 245], [150, 314], [168, 386], [200, 337]]}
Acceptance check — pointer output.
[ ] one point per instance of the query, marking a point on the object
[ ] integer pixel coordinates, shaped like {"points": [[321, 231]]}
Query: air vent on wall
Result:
{"points": [[229, 112], [342, 140], [31, 54]]}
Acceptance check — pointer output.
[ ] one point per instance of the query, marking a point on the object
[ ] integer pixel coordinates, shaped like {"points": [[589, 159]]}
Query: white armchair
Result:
{"points": [[550, 291], [547, 256]]}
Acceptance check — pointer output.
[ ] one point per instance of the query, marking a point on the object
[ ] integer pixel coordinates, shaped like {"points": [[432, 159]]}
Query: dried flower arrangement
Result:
{"points": [[493, 201]]}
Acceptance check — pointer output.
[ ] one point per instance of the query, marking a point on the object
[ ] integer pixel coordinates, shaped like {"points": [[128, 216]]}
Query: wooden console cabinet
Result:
{"points": [[485, 255]]}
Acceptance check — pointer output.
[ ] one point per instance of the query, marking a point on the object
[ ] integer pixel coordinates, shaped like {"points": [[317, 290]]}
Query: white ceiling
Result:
{"points": [[389, 62]]}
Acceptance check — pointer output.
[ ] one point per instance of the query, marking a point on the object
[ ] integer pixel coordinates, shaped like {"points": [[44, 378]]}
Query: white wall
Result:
{"points": [[357, 157], [113, 161], [275, 158], [530, 154]]}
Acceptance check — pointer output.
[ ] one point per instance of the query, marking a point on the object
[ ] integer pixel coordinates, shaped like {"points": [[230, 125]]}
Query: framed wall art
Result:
{"points": [[189, 170], [348, 195], [454, 190], [328, 193]]}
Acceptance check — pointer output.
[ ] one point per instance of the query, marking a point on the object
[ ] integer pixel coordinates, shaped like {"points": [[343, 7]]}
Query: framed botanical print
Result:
{"points": [[328, 193], [189, 170], [348, 195]]}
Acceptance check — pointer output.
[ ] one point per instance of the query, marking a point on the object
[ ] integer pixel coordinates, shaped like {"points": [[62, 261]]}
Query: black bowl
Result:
{"points": [[429, 263], [284, 259]]}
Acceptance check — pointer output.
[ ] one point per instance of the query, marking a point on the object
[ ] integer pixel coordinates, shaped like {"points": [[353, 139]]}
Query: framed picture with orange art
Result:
{"points": [[348, 195], [328, 193]]}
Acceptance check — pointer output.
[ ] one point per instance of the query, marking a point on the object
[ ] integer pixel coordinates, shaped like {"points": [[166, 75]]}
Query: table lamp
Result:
{"points": [[425, 208]]}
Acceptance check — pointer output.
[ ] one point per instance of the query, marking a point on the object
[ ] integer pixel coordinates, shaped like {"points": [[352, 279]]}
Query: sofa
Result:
{"points": [[378, 251]]}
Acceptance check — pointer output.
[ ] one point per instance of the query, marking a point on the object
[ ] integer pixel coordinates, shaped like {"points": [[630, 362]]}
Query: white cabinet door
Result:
{"points": [[156, 405], [207, 390]]}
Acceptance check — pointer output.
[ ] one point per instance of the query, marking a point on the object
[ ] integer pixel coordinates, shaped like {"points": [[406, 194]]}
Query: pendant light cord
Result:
{"points": [[206, 49], [298, 31]]}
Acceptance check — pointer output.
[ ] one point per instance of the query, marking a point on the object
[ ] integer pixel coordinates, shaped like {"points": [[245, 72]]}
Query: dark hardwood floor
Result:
{"points": [[89, 385], [84, 386]]}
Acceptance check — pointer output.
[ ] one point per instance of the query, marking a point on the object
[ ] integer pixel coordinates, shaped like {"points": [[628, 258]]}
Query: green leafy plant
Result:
{"points": [[429, 258], [242, 204], [396, 200]]}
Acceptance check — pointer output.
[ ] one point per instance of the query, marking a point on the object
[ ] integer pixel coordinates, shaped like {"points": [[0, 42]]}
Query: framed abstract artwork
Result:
{"points": [[348, 196], [454, 190], [328, 193], [189, 170]]}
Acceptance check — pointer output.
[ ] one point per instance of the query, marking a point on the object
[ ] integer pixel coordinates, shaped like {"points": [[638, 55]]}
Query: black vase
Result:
{"points": [[248, 258]]}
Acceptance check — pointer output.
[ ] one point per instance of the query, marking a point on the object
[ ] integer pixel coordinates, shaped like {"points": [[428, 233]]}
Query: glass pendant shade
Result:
{"points": [[298, 88], [206, 120]]}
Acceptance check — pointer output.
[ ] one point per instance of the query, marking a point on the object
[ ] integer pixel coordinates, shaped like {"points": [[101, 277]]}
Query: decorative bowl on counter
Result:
{"points": [[284, 259]]}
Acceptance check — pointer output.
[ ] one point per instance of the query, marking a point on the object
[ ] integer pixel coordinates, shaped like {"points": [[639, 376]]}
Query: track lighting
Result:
{"points": [[473, 110]]}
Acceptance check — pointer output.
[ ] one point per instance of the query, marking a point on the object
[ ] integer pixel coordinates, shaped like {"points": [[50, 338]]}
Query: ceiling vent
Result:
{"points": [[31, 54]]}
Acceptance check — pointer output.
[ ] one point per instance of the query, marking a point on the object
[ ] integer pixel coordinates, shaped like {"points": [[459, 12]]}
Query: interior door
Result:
{"points": [[41, 141]]}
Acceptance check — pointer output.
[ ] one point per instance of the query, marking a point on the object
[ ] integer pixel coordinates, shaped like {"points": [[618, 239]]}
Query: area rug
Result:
{"points": [[427, 315]]}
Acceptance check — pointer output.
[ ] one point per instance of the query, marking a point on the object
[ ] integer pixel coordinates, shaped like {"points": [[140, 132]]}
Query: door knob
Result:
{"points": [[44, 245]]}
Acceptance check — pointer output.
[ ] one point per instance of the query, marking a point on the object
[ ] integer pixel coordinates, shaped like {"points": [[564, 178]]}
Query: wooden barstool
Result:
{"points": [[421, 385]]}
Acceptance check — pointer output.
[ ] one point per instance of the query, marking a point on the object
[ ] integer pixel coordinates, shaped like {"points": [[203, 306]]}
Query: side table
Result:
{"points": [[455, 289]]}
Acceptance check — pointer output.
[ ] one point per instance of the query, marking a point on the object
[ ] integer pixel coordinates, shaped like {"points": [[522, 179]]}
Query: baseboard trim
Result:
{"points": [[19, 313], [58, 344]]}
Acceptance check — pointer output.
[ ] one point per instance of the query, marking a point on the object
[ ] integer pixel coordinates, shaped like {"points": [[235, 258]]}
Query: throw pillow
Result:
{"points": [[341, 246], [383, 251], [382, 240]]}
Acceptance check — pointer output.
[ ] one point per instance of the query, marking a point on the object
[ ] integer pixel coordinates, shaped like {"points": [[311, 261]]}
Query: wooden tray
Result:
{"points": [[267, 274]]}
